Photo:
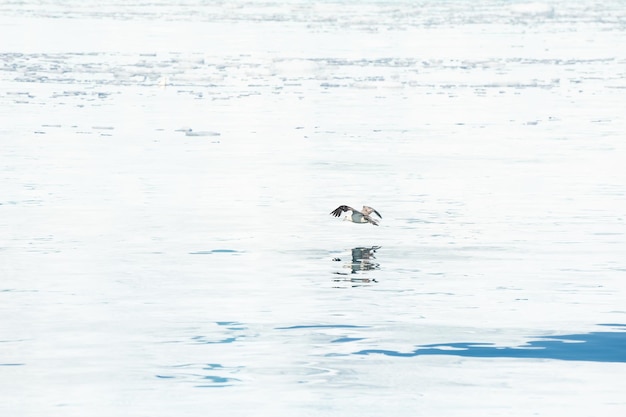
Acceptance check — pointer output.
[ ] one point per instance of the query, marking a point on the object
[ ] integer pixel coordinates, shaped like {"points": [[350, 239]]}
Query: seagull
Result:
{"points": [[357, 216]]}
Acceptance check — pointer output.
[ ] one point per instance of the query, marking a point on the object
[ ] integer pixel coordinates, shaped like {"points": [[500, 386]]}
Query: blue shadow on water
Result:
{"points": [[594, 347]]}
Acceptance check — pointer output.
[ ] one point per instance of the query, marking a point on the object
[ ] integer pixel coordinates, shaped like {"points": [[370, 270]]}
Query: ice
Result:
{"points": [[167, 171]]}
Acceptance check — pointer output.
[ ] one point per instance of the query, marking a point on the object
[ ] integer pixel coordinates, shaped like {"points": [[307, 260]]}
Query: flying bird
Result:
{"points": [[357, 216]]}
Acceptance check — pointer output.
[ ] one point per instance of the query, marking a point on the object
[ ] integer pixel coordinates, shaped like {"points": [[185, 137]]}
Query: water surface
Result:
{"points": [[167, 173]]}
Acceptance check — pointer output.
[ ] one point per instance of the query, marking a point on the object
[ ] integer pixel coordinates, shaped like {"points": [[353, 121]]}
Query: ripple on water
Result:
{"points": [[216, 251], [209, 375]]}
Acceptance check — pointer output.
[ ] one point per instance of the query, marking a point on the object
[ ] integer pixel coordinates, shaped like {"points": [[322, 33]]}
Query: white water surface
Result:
{"points": [[167, 170]]}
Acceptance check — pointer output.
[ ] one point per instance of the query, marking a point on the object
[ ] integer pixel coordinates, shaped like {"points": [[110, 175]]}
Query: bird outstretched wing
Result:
{"points": [[337, 212], [367, 210]]}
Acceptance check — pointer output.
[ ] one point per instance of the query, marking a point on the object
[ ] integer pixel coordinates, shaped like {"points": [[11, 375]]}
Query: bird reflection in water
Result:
{"points": [[363, 259]]}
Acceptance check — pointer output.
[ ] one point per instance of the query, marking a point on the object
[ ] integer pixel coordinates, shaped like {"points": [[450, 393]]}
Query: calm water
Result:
{"points": [[167, 173]]}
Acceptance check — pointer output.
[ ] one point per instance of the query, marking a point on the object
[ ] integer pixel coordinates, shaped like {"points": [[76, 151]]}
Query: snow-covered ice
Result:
{"points": [[167, 171]]}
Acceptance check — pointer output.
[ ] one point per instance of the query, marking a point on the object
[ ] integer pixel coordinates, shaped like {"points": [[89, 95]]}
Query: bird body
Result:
{"points": [[362, 216]]}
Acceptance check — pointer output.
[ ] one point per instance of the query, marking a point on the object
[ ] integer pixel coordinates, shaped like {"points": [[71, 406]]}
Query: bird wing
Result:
{"points": [[367, 210], [371, 220], [337, 212]]}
